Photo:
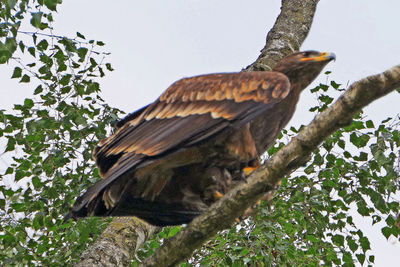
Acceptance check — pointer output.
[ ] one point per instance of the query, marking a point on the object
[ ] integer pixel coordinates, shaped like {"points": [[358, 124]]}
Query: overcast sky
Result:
{"points": [[154, 43]]}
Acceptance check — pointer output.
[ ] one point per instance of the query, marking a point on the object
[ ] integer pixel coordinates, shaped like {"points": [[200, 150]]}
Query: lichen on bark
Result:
{"points": [[119, 242]]}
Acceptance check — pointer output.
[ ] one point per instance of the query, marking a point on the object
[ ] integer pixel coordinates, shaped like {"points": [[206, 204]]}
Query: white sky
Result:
{"points": [[154, 43]]}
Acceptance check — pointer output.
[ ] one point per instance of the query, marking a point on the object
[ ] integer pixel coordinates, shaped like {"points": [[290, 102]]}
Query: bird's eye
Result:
{"points": [[306, 54]]}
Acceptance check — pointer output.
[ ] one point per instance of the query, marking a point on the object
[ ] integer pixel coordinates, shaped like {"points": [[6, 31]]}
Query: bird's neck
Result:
{"points": [[300, 79]]}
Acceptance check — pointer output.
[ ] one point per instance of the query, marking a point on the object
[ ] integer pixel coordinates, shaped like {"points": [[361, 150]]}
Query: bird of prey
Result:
{"points": [[171, 159]]}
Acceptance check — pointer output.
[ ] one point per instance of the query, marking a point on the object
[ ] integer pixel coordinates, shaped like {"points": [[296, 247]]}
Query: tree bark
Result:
{"points": [[222, 214], [117, 245]]}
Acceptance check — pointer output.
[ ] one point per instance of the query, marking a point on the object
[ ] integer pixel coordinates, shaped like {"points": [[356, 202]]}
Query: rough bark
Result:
{"points": [[288, 33], [119, 242], [222, 214]]}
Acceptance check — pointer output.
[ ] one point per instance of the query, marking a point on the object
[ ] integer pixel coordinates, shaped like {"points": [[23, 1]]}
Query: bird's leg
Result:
{"points": [[218, 181]]}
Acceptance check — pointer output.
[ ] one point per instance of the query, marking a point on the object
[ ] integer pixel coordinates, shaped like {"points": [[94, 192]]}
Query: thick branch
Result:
{"points": [[117, 245], [288, 33], [223, 213]]}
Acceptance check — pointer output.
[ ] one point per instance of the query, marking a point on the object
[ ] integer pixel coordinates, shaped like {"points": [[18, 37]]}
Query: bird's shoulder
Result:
{"points": [[259, 86]]}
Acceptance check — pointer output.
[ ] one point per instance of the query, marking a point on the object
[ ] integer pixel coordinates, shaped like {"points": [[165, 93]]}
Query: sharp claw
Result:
{"points": [[218, 194], [249, 170]]}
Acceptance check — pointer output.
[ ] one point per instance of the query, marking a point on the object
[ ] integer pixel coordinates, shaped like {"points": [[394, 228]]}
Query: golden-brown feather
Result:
{"points": [[201, 95]]}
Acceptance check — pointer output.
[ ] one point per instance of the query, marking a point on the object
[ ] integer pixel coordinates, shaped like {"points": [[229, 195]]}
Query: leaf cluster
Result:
{"points": [[49, 137]]}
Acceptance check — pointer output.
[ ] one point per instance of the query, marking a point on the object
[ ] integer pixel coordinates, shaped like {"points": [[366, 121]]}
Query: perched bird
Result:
{"points": [[170, 160]]}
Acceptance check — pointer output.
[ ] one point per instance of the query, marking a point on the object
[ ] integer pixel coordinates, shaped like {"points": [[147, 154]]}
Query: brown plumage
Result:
{"points": [[171, 159]]}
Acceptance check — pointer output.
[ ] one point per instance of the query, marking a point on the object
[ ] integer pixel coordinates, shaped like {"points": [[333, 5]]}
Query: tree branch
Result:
{"points": [[222, 214], [117, 245], [288, 33]]}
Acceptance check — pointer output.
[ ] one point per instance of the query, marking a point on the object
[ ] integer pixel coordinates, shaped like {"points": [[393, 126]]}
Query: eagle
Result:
{"points": [[170, 160]]}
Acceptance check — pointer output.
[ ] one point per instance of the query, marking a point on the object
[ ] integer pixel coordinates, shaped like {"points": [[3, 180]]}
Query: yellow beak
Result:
{"points": [[322, 57]]}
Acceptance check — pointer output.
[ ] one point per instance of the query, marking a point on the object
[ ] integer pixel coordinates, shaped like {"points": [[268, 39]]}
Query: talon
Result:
{"points": [[218, 195], [249, 170], [252, 166]]}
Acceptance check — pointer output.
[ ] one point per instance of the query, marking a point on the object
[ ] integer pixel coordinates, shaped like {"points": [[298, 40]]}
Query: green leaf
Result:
{"points": [[101, 72], [174, 231], [352, 244], [9, 170], [386, 231], [362, 157], [28, 103], [36, 19], [347, 258], [93, 62], [359, 141], [11, 44], [38, 222], [7, 49], [338, 240], [18, 207], [5, 54], [25, 79], [42, 248], [21, 46], [42, 45], [8, 239], [335, 85], [369, 124], [371, 258], [10, 144], [312, 238], [108, 66], [17, 72], [11, 3], [65, 79], [82, 52], [38, 90], [36, 182], [52, 4], [365, 243], [31, 51], [324, 87], [80, 35], [361, 258]]}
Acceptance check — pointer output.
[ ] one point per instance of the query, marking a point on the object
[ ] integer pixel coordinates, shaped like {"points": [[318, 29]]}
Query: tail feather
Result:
{"points": [[159, 214]]}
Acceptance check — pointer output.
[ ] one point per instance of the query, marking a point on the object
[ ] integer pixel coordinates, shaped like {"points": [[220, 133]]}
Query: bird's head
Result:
{"points": [[303, 67]]}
